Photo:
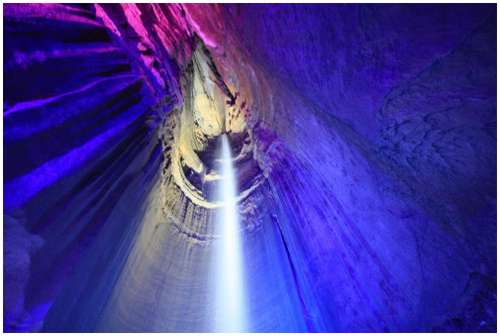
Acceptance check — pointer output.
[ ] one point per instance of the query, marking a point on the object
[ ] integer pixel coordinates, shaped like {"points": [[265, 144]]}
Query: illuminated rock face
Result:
{"points": [[364, 146]]}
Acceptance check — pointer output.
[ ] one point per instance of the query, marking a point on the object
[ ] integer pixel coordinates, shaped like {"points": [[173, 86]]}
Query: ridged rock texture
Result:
{"points": [[364, 143]]}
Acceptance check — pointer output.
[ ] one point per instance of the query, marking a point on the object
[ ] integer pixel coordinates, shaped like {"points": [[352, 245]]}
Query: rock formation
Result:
{"points": [[363, 140]]}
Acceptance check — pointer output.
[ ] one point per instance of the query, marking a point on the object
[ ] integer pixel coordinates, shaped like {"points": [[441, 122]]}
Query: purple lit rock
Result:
{"points": [[364, 138]]}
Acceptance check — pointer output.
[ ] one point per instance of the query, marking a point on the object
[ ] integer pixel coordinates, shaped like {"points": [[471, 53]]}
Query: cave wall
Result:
{"points": [[86, 86], [390, 112], [374, 130]]}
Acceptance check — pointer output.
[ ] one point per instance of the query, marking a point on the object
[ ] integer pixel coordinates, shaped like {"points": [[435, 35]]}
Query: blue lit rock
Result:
{"points": [[364, 143]]}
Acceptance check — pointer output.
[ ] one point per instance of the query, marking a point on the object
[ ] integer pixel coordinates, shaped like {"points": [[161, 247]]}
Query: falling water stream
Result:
{"points": [[231, 316]]}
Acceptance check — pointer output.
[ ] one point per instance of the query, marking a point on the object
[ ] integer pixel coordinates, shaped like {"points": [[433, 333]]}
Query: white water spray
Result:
{"points": [[231, 316]]}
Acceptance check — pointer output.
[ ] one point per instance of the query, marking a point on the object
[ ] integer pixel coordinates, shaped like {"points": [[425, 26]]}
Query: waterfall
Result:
{"points": [[231, 316]]}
